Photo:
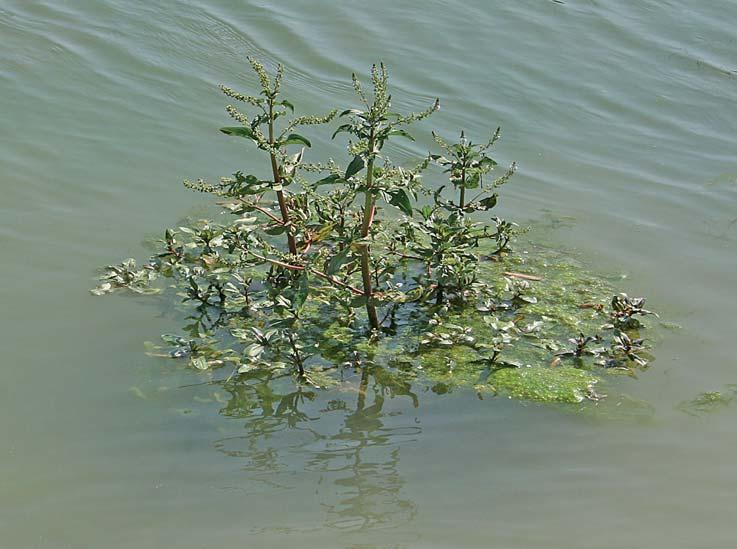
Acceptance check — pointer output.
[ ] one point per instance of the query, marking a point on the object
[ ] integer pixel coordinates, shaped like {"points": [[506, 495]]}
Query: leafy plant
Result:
{"points": [[581, 347], [467, 164], [278, 288], [625, 309], [126, 275], [623, 345], [446, 238], [261, 129], [372, 126]]}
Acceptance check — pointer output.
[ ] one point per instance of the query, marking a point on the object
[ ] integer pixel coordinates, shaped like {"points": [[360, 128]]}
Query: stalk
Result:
{"points": [[362, 389], [277, 181], [463, 188], [368, 216], [295, 355]]}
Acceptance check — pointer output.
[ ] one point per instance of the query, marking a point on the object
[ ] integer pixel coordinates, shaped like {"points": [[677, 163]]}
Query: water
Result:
{"points": [[621, 116]]}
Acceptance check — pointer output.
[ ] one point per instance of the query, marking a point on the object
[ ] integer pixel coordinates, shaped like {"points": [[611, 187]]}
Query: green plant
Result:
{"points": [[372, 126], [467, 164], [126, 275], [446, 238], [581, 347], [261, 129], [278, 288], [625, 311]]}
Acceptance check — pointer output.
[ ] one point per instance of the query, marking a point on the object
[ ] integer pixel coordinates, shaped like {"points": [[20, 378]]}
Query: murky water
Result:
{"points": [[622, 118]]}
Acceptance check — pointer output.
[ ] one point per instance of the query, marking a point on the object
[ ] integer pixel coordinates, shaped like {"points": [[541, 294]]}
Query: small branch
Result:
{"points": [[337, 282], [371, 217], [523, 276], [597, 306], [322, 275], [278, 263], [406, 256], [267, 213]]}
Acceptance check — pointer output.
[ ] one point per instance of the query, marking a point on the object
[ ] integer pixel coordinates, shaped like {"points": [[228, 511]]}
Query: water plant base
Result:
{"points": [[562, 299]]}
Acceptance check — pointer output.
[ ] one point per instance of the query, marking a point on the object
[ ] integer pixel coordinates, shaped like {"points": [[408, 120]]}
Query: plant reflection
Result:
{"points": [[350, 444]]}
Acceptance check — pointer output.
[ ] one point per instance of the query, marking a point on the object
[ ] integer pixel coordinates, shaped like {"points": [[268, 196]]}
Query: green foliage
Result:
{"points": [[372, 126], [709, 402], [126, 275], [279, 287], [467, 164]]}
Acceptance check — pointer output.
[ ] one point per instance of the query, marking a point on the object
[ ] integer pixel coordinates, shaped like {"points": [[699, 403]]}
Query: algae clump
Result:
{"points": [[565, 384]]}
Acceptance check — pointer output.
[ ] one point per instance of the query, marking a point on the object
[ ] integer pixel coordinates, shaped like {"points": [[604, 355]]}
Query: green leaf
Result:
{"points": [[343, 128], [275, 230], [295, 139], [323, 232], [302, 291], [330, 180], [426, 211], [472, 181], [489, 202], [401, 200], [358, 301], [254, 189], [337, 261], [200, 363], [402, 133], [350, 111], [174, 339], [288, 105], [354, 167], [253, 350], [239, 131]]}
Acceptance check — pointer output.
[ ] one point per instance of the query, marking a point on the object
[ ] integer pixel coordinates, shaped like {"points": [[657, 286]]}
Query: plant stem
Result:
{"points": [[277, 182], [295, 355], [439, 294], [368, 217], [362, 389], [463, 189], [329, 278]]}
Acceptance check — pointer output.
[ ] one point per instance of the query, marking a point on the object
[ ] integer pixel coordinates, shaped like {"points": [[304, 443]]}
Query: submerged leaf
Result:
{"points": [[200, 363]]}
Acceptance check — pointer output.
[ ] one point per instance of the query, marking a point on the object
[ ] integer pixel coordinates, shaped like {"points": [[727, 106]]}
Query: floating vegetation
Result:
{"points": [[126, 275], [565, 384], [709, 402], [323, 270]]}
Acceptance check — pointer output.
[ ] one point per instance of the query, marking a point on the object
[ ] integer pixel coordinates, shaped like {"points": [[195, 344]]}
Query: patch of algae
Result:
{"points": [[543, 384], [709, 402]]}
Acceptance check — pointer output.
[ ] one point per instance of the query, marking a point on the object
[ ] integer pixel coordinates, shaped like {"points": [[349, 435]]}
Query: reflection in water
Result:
{"points": [[350, 444]]}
